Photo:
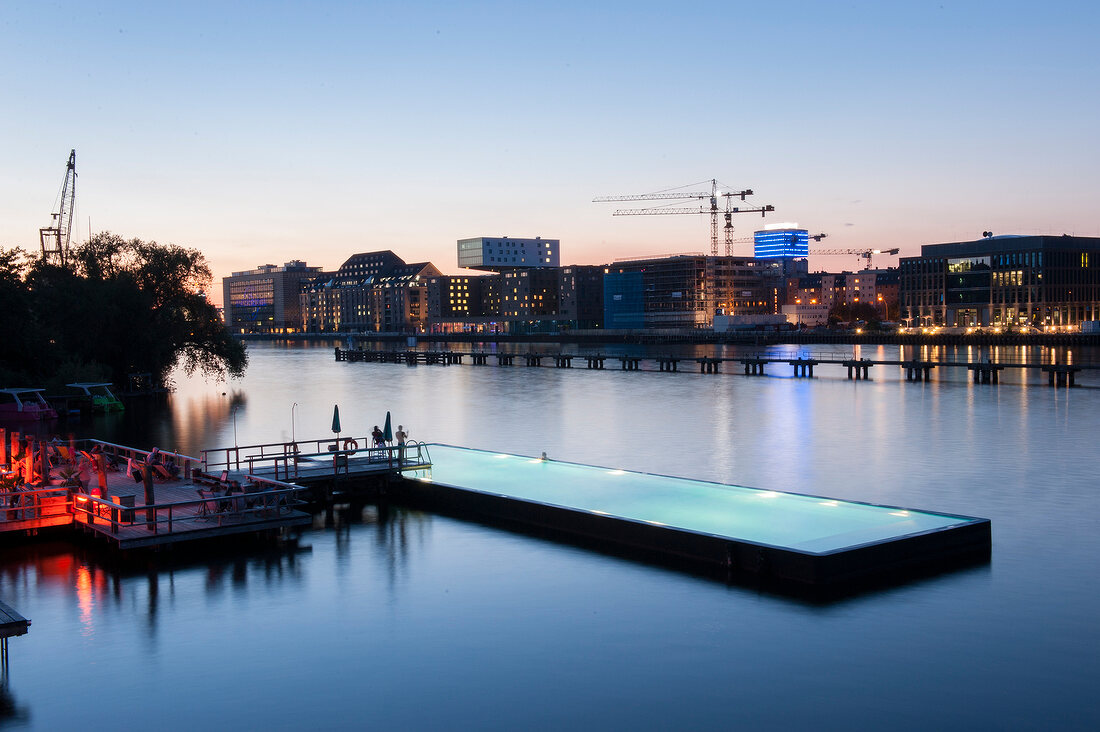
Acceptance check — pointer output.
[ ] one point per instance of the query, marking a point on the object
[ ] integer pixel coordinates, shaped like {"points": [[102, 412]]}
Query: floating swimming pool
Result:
{"points": [[790, 536]]}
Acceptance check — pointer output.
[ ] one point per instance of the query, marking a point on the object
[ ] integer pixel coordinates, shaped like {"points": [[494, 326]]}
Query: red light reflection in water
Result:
{"points": [[84, 597]]}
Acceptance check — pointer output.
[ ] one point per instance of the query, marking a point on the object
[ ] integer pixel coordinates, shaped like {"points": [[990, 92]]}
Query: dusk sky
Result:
{"points": [[264, 132]]}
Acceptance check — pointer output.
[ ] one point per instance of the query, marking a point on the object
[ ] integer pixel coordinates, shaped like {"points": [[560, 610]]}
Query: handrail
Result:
{"points": [[146, 453], [233, 505], [234, 457], [15, 504], [286, 459], [421, 453]]}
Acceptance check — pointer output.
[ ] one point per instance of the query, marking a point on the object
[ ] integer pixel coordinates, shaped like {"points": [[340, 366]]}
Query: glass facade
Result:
{"points": [[781, 243], [504, 253], [1027, 282], [623, 301]]}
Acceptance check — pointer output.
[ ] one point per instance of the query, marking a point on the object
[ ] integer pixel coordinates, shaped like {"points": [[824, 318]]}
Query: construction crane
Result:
{"points": [[864, 254], [717, 213], [55, 239]]}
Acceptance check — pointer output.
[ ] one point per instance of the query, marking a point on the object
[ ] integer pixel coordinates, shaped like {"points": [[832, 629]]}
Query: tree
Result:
{"points": [[23, 348], [128, 306]]}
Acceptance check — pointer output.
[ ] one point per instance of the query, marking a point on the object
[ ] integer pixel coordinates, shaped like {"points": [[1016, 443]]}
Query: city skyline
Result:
{"points": [[263, 135]]}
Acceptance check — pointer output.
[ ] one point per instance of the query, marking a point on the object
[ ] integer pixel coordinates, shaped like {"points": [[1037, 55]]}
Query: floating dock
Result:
{"points": [[808, 541], [135, 499]]}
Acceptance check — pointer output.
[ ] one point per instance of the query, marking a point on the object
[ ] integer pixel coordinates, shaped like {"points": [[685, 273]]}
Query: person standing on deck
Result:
{"points": [[401, 436]]}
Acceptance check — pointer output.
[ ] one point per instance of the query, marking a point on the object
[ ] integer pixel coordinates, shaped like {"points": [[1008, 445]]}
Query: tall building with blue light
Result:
{"points": [[785, 242]]}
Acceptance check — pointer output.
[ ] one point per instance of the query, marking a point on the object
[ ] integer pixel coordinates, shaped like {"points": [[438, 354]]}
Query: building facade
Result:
{"points": [[497, 254], [688, 290], [370, 292], [265, 299], [1004, 281], [781, 242], [580, 294]]}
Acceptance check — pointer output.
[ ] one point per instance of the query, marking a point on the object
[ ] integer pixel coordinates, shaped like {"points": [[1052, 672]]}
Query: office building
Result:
{"points": [[688, 290], [265, 299], [781, 240], [1003, 281], [370, 292], [499, 254]]}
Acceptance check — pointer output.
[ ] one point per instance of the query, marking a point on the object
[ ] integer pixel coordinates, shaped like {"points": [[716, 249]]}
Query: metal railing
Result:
{"points": [[26, 503], [261, 499], [286, 460], [120, 453], [232, 458]]}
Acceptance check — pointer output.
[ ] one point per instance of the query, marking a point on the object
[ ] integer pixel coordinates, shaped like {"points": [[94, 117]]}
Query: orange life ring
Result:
{"points": [[350, 444]]}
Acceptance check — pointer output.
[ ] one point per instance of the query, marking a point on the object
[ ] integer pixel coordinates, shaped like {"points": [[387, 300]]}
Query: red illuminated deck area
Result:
{"points": [[133, 498]]}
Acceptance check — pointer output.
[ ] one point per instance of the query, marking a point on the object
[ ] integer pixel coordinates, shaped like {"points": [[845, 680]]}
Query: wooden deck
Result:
{"points": [[11, 622], [110, 500], [179, 512], [228, 491], [29, 509]]}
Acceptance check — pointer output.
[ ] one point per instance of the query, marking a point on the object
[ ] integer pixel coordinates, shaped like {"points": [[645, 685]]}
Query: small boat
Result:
{"points": [[99, 395], [24, 405]]}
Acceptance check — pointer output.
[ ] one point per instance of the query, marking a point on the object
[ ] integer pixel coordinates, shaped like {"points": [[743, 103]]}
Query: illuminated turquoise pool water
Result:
{"points": [[793, 521]]}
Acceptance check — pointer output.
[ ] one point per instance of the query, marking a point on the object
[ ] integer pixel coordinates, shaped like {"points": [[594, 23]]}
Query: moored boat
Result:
{"points": [[24, 405], [99, 396]]}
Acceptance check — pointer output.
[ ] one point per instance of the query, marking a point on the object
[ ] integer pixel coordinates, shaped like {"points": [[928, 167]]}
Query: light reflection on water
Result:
{"points": [[402, 619]]}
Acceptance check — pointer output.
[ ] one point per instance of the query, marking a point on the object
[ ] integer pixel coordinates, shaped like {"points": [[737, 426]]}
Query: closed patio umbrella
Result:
{"points": [[336, 420], [387, 431]]}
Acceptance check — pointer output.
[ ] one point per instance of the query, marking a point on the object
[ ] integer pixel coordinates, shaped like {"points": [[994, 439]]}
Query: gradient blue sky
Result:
{"points": [[264, 132]]}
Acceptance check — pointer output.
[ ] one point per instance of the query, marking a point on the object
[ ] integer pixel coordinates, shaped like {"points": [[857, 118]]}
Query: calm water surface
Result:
{"points": [[405, 620]]}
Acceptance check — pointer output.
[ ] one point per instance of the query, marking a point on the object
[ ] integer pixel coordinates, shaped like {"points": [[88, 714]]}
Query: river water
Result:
{"points": [[407, 620]]}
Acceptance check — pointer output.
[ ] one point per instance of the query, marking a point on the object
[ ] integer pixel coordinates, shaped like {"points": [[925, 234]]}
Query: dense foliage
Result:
{"points": [[120, 307]]}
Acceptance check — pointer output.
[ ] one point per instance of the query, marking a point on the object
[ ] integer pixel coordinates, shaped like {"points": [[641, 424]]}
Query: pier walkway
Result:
{"points": [[983, 371]]}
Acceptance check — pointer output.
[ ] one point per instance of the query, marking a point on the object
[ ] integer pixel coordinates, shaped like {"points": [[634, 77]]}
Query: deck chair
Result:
{"points": [[162, 473], [133, 470], [208, 507]]}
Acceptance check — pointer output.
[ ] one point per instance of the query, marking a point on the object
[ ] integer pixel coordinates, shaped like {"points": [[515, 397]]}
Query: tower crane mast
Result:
{"points": [[55, 239], [710, 206]]}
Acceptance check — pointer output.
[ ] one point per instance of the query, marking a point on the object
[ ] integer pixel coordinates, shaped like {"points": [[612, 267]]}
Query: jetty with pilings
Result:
{"points": [[135, 499], [11, 625], [983, 371]]}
